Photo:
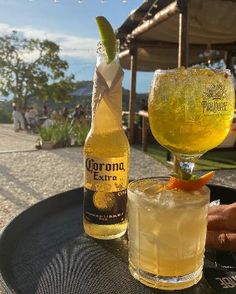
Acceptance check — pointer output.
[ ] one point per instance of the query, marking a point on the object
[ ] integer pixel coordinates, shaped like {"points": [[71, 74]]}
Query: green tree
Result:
{"points": [[30, 67]]}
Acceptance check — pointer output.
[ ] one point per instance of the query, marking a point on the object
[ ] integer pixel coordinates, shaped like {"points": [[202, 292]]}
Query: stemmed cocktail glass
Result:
{"points": [[190, 112]]}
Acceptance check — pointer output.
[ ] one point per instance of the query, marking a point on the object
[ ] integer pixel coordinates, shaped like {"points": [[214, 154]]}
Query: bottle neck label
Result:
{"points": [[110, 93], [106, 174]]}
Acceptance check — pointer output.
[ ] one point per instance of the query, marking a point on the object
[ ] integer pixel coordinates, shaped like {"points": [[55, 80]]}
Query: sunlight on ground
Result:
{"points": [[15, 141]]}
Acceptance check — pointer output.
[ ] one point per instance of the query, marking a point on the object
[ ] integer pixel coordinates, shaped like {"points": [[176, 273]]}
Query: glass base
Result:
{"points": [[164, 282]]}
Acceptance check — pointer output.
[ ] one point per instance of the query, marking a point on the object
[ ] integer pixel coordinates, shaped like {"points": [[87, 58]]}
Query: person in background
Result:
{"points": [[31, 116], [27, 115], [18, 119], [51, 120], [65, 112], [78, 113], [45, 110]]}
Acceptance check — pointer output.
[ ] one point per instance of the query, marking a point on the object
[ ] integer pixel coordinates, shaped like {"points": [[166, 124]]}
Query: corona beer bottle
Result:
{"points": [[106, 155]]}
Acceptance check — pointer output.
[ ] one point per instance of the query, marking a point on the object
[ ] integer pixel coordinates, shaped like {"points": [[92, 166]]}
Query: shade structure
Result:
{"points": [[163, 34], [166, 56], [211, 32]]}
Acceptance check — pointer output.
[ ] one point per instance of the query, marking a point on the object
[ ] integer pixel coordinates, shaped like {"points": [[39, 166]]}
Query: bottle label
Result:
{"points": [[105, 193], [106, 174], [104, 208]]}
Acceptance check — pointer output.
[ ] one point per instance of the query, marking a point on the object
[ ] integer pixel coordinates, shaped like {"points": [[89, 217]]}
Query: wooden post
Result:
{"points": [[132, 96], [144, 117], [183, 51], [144, 133], [229, 61]]}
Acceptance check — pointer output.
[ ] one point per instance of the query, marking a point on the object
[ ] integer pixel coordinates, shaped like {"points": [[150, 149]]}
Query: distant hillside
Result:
{"points": [[85, 88], [81, 95]]}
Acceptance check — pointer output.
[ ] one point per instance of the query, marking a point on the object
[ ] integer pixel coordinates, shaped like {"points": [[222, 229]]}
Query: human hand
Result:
{"points": [[221, 229]]}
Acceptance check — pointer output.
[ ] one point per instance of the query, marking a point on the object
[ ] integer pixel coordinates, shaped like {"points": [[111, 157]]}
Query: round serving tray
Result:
{"points": [[45, 251]]}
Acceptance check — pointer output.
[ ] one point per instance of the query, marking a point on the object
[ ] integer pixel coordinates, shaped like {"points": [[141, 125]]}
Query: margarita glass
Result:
{"points": [[191, 112]]}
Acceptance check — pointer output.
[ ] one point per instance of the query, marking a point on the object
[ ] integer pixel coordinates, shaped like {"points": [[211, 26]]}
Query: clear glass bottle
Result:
{"points": [[106, 155]]}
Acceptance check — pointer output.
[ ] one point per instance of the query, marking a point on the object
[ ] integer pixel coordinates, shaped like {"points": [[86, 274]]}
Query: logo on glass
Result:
{"points": [[214, 100]]}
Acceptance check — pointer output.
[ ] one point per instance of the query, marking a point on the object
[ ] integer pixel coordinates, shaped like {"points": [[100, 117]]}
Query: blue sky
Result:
{"points": [[71, 25]]}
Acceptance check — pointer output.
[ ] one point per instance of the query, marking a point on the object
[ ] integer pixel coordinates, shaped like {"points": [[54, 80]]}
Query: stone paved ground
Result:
{"points": [[29, 176], [15, 141]]}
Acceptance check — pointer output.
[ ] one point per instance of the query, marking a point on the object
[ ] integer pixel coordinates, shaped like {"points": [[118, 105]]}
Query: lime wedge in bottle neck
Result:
{"points": [[108, 37]]}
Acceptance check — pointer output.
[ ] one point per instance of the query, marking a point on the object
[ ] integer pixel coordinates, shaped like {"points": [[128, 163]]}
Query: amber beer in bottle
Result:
{"points": [[106, 155]]}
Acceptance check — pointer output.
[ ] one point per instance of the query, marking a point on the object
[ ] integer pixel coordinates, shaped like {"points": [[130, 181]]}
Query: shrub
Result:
{"points": [[46, 134], [63, 132], [5, 117], [80, 132]]}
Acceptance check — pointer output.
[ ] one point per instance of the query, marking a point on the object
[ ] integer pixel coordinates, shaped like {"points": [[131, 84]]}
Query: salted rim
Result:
{"points": [[173, 70]]}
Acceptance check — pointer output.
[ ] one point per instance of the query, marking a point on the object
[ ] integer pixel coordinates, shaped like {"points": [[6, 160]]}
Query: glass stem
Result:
{"points": [[184, 165]]}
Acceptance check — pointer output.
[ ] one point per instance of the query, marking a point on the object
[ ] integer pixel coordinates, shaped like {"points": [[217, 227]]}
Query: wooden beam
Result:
{"points": [[183, 51], [132, 97], [159, 44], [159, 17], [152, 44]]}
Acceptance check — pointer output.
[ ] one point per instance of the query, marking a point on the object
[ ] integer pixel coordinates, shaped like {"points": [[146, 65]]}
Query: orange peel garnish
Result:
{"points": [[189, 185]]}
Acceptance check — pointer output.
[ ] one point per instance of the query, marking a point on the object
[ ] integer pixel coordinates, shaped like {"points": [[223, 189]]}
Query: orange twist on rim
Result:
{"points": [[189, 185]]}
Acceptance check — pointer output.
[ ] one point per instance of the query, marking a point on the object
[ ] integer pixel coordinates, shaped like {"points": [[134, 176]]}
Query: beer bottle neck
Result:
{"points": [[107, 117], [107, 95]]}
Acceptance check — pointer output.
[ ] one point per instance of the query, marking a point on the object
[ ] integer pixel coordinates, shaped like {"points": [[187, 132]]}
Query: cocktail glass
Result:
{"points": [[190, 112]]}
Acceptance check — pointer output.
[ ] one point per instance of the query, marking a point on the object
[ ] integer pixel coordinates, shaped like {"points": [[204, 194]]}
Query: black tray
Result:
{"points": [[44, 251]]}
